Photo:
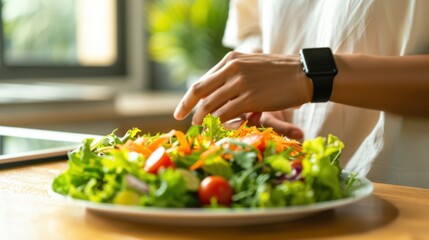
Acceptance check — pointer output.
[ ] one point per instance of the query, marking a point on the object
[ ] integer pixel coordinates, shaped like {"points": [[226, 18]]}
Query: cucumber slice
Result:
{"points": [[192, 181]]}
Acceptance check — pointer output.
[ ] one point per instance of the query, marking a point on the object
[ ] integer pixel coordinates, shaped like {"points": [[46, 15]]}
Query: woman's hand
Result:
{"points": [[242, 83]]}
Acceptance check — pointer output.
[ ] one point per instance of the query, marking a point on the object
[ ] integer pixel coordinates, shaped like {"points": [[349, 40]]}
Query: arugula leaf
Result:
{"points": [[131, 134], [171, 191], [245, 184], [244, 159], [244, 155], [111, 140]]}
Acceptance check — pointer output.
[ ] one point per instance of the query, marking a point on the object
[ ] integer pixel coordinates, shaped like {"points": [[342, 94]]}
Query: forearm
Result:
{"points": [[393, 84]]}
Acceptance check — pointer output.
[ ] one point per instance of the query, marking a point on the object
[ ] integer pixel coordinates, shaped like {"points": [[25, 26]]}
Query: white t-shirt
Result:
{"points": [[384, 147]]}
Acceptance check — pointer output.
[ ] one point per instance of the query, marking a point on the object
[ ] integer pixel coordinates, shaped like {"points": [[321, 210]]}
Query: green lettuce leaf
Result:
{"points": [[218, 166], [213, 128], [321, 167]]}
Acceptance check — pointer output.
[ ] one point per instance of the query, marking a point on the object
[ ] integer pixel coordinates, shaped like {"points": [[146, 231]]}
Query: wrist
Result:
{"points": [[346, 82]]}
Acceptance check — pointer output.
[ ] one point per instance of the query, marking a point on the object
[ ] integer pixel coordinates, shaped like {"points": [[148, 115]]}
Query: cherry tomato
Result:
{"points": [[256, 140], [215, 187], [157, 160]]}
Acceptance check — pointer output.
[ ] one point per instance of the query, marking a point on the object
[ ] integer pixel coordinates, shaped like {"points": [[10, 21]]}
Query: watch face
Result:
{"points": [[318, 61]]}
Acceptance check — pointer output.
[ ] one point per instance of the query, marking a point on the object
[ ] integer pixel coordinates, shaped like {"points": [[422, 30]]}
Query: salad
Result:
{"points": [[208, 166]]}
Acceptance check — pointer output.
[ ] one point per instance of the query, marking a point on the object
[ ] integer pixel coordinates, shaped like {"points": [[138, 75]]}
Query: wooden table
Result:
{"points": [[28, 212]]}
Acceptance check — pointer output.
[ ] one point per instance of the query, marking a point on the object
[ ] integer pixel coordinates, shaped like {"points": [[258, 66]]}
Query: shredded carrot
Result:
{"points": [[255, 130], [240, 129], [283, 143], [268, 132]]}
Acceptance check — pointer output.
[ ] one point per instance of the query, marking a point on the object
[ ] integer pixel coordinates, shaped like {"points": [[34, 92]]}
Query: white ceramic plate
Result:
{"points": [[221, 217]]}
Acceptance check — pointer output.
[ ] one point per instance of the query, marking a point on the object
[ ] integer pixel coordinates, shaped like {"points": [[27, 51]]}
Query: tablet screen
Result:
{"points": [[19, 145], [15, 145]]}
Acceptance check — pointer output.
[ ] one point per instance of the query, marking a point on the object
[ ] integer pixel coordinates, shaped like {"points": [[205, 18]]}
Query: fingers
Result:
{"points": [[234, 123], [219, 98], [198, 91], [209, 83], [232, 109], [253, 119], [188, 102]]}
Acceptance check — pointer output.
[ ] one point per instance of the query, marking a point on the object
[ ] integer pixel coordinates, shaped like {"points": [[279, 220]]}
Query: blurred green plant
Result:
{"points": [[186, 35]]}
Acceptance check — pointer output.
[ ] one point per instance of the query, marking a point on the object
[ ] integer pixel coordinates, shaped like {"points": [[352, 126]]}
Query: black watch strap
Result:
{"points": [[319, 65], [322, 88]]}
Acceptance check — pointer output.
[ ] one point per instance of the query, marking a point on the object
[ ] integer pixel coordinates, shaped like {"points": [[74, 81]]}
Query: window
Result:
{"points": [[62, 38]]}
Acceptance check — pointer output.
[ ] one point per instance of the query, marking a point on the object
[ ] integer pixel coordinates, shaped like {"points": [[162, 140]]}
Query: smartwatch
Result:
{"points": [[319, 66]]}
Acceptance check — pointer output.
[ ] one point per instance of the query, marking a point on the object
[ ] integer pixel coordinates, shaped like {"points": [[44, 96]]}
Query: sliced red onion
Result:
{"points": [[294, 175], [136, 184]]}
